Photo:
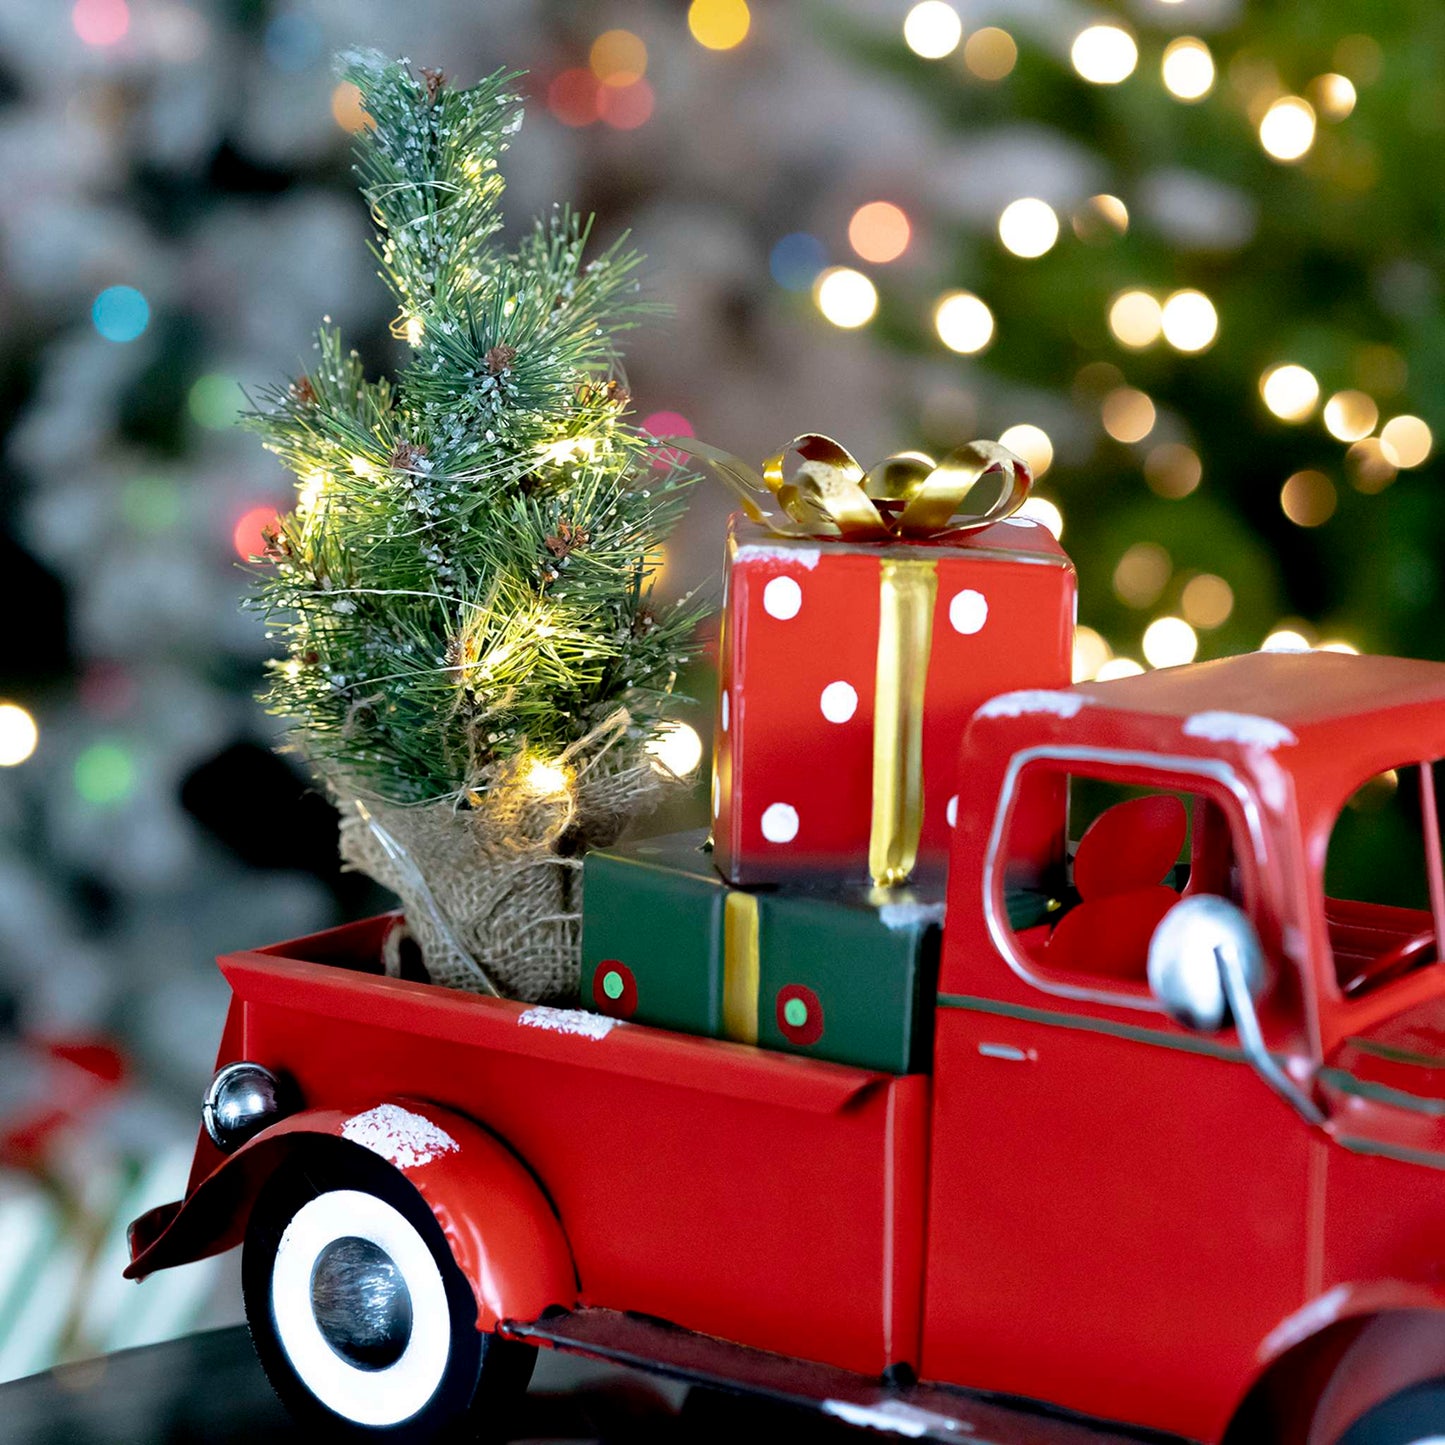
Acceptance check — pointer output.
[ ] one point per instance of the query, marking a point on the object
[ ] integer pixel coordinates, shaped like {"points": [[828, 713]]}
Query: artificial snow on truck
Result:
{"points": [[1133, 1115]]}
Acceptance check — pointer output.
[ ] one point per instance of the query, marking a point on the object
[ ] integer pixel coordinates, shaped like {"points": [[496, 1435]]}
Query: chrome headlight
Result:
{"points": [[242, 1100]]}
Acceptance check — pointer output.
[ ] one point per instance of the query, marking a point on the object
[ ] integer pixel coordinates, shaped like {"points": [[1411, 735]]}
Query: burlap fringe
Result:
{"points": [[492, 888]]}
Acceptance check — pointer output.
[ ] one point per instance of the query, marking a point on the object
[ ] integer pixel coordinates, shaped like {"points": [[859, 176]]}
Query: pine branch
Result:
{"points": [[468, 571]]}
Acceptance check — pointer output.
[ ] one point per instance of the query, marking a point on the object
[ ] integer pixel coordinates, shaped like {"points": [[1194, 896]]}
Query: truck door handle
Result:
{"points": [[1008, 1052]]}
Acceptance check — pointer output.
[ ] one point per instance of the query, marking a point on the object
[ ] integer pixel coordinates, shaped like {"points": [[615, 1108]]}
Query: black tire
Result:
{"points": [[362, 1320], [1413, 1417]]}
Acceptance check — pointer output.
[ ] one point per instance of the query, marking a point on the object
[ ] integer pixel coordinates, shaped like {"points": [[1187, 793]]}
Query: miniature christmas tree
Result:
{"points": [[474, 660]]}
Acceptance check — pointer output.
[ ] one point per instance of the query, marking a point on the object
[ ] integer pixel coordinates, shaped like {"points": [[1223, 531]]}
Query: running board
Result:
{"points": [[917, 1412]]}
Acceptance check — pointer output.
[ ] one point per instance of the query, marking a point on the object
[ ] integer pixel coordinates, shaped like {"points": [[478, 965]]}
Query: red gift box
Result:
{"points": [[829, 647]]}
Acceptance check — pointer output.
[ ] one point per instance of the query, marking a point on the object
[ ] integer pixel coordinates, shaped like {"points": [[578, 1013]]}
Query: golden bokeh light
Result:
{"points": [[1170, 642], [1091, 653], [879, 232], [1308, 499], [1289, 391], [963, 322], [1136, 319], [1032, 444], [346, 109], [719, 24], [1172, 470], [1188, 68], [1206, 601], [18, 734], [990, 53], [1285, 639], [846, 297], [1104, 54], [675, 748], [1368, 468], [932, 29], [1028, 227], [1128, 414], [1190, 321], [618, 57], [1287, 129], [1100, 219], [1142, 574], [1405, 441], [1118, 667], [1044, 512], [1351, 415], [1334, 95]]}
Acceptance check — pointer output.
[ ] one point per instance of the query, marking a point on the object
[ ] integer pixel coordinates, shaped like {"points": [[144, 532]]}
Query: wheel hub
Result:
{"points": [[361, 1303]]}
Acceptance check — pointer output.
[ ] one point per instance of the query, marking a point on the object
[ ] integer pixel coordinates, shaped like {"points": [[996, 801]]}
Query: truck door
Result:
{"points": [[1118, 1206]]}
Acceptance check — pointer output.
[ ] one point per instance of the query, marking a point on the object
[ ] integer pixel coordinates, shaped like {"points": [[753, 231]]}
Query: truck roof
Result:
{"points": [[1330, 719]]}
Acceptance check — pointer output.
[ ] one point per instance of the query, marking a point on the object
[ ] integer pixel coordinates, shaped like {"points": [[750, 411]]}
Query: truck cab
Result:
{"points": [[1174, 1162]]}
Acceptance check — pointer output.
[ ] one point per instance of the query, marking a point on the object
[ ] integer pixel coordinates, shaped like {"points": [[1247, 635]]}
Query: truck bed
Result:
{"points": [[745, 1194]]}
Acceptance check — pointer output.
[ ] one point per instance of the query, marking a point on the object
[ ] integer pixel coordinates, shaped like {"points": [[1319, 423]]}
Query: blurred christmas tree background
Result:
{"points": [[1184, 256]]}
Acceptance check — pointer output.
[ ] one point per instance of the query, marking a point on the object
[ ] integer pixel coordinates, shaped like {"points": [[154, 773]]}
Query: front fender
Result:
{"points": [[503, 1232]]}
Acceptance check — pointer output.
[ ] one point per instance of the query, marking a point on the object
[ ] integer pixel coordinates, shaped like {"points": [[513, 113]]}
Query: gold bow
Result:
{"points": [[908, 495]]}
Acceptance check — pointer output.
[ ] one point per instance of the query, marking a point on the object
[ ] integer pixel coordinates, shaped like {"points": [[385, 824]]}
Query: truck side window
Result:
{"points": [[1085, 909], [1382, 878]]}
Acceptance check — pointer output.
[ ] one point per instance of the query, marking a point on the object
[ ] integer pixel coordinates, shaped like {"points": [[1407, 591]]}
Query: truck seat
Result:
{"points": [[1121, 859]]}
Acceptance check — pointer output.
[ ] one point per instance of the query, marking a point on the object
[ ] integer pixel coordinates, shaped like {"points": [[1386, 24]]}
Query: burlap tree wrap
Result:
{"points": [[492, 888]]}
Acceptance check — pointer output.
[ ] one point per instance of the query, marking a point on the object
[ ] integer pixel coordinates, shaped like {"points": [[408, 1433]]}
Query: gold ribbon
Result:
{"points": [[742, 967], [907, 496]]}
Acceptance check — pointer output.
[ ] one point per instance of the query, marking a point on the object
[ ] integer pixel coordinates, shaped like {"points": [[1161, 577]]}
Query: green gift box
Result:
{"points": [[838, 972]]}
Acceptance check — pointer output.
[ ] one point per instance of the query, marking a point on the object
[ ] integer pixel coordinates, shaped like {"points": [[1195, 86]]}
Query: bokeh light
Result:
{"points": [[1405, 441], [1028, 227], [1333, 95], [1172, 470], [963, 322], [574, 97], [1142, 574], [120, 313], [1169, 642], [1117, 667], [719, 24], [100, 22], [248, 535], [18, 734], [1100, 219], [1351, 415], [1104, 54], [104, 774], [346, 108], [1187, 68], [1308, 499], [1289, 391], [846, 297], [1189, 321], [796, 259], [1136, 319], [667, 424], [990, 53], [618, 57], [1287, 130], [1032, 444], [1044, 512], [625, 107], [675, 748], [1285, 639], [879, 232], [1369, 469], [1128, 414], [932, 29], [1206, 601], [1091, 652], [216, 401]]}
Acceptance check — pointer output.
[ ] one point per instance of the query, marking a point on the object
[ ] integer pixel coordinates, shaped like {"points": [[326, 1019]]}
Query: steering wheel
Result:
{"points": [[1390, 965]]}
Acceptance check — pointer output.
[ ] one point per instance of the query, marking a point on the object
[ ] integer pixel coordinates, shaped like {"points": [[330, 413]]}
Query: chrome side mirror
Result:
{"points": [[1206, 967], [1186, 961]]}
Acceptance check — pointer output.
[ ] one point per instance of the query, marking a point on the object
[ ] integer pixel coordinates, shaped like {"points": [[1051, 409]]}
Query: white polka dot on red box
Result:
{"points": [[782, 598], [780, 822]]}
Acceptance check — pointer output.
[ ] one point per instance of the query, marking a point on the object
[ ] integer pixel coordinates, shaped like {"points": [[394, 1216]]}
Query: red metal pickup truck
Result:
{"points": [[1176, 1164]]}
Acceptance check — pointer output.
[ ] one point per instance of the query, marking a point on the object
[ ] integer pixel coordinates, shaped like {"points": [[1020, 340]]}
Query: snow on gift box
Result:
{"points": [[866, 616]]}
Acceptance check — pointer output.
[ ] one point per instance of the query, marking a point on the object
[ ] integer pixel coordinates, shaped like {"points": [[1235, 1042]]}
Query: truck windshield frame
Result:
{"points": [[1159, 770]]}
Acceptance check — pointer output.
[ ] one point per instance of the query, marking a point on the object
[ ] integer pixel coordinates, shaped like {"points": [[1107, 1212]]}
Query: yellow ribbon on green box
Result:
{"points": [[906, 497]]}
